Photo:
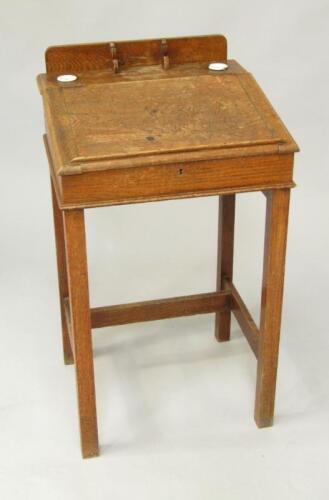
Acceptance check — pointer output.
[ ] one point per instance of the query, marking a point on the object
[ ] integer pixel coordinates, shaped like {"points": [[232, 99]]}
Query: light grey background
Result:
{"points": [[175, 408]]}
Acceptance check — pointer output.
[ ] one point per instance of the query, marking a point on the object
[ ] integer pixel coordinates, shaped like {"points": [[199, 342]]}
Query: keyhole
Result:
{"points": [[180, 171]]}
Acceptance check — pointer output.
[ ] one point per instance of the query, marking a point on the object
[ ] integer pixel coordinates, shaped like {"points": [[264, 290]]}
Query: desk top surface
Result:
{"points": [[148, 115]]}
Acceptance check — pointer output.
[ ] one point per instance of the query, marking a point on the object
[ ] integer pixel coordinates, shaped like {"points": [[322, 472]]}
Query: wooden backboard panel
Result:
{"points": [[87, 57]]}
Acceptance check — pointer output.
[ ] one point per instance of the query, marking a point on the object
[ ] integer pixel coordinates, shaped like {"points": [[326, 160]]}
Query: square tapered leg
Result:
{"points": [[226, 215], [272, 294], [76, 257], [62, 274]]}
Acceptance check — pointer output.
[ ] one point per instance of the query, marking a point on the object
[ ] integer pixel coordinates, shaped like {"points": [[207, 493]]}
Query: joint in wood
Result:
{"points": [[160, 309], [243, 317], [164, 54], [115, 61]]}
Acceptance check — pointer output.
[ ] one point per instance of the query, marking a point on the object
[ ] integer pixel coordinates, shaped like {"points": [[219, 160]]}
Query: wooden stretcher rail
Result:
{"points": [[160, 309], [244, 318], [188, 305]]}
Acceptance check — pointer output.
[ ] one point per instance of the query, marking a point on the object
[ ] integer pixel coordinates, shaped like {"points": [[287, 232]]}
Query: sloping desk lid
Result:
{"points": [[148, 115]]}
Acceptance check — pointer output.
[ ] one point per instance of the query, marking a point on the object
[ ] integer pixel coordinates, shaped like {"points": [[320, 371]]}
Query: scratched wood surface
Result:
{"points": [[146, 133], [148, 121], [158, 117], [146, 115]]}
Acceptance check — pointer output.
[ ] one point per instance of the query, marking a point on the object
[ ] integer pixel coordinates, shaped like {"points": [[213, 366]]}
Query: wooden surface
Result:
{"points": [[132, 53], [277, 211], [244, 318], [153, 183], [150, 116], [68, 321], [225, 249], [148, 121], [81, 329], [159, 117], [148, 133], [160, 309], [62, 274]]}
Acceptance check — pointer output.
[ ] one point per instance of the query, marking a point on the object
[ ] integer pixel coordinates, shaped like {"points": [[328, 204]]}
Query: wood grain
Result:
{"points": [[225, 249], [244, 318], [119, 186], [160, 117], [96, 56], [100, 189], [122, 137], [148, 121], [272, 294], [69, 322], [81, 328], [164, 119], [62, 274], [159, 309]]}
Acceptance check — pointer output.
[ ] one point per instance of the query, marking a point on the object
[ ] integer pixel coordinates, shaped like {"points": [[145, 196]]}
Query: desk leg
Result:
{"points": [[62, 274], [76, 256], [225, 260], [277, 210]]}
